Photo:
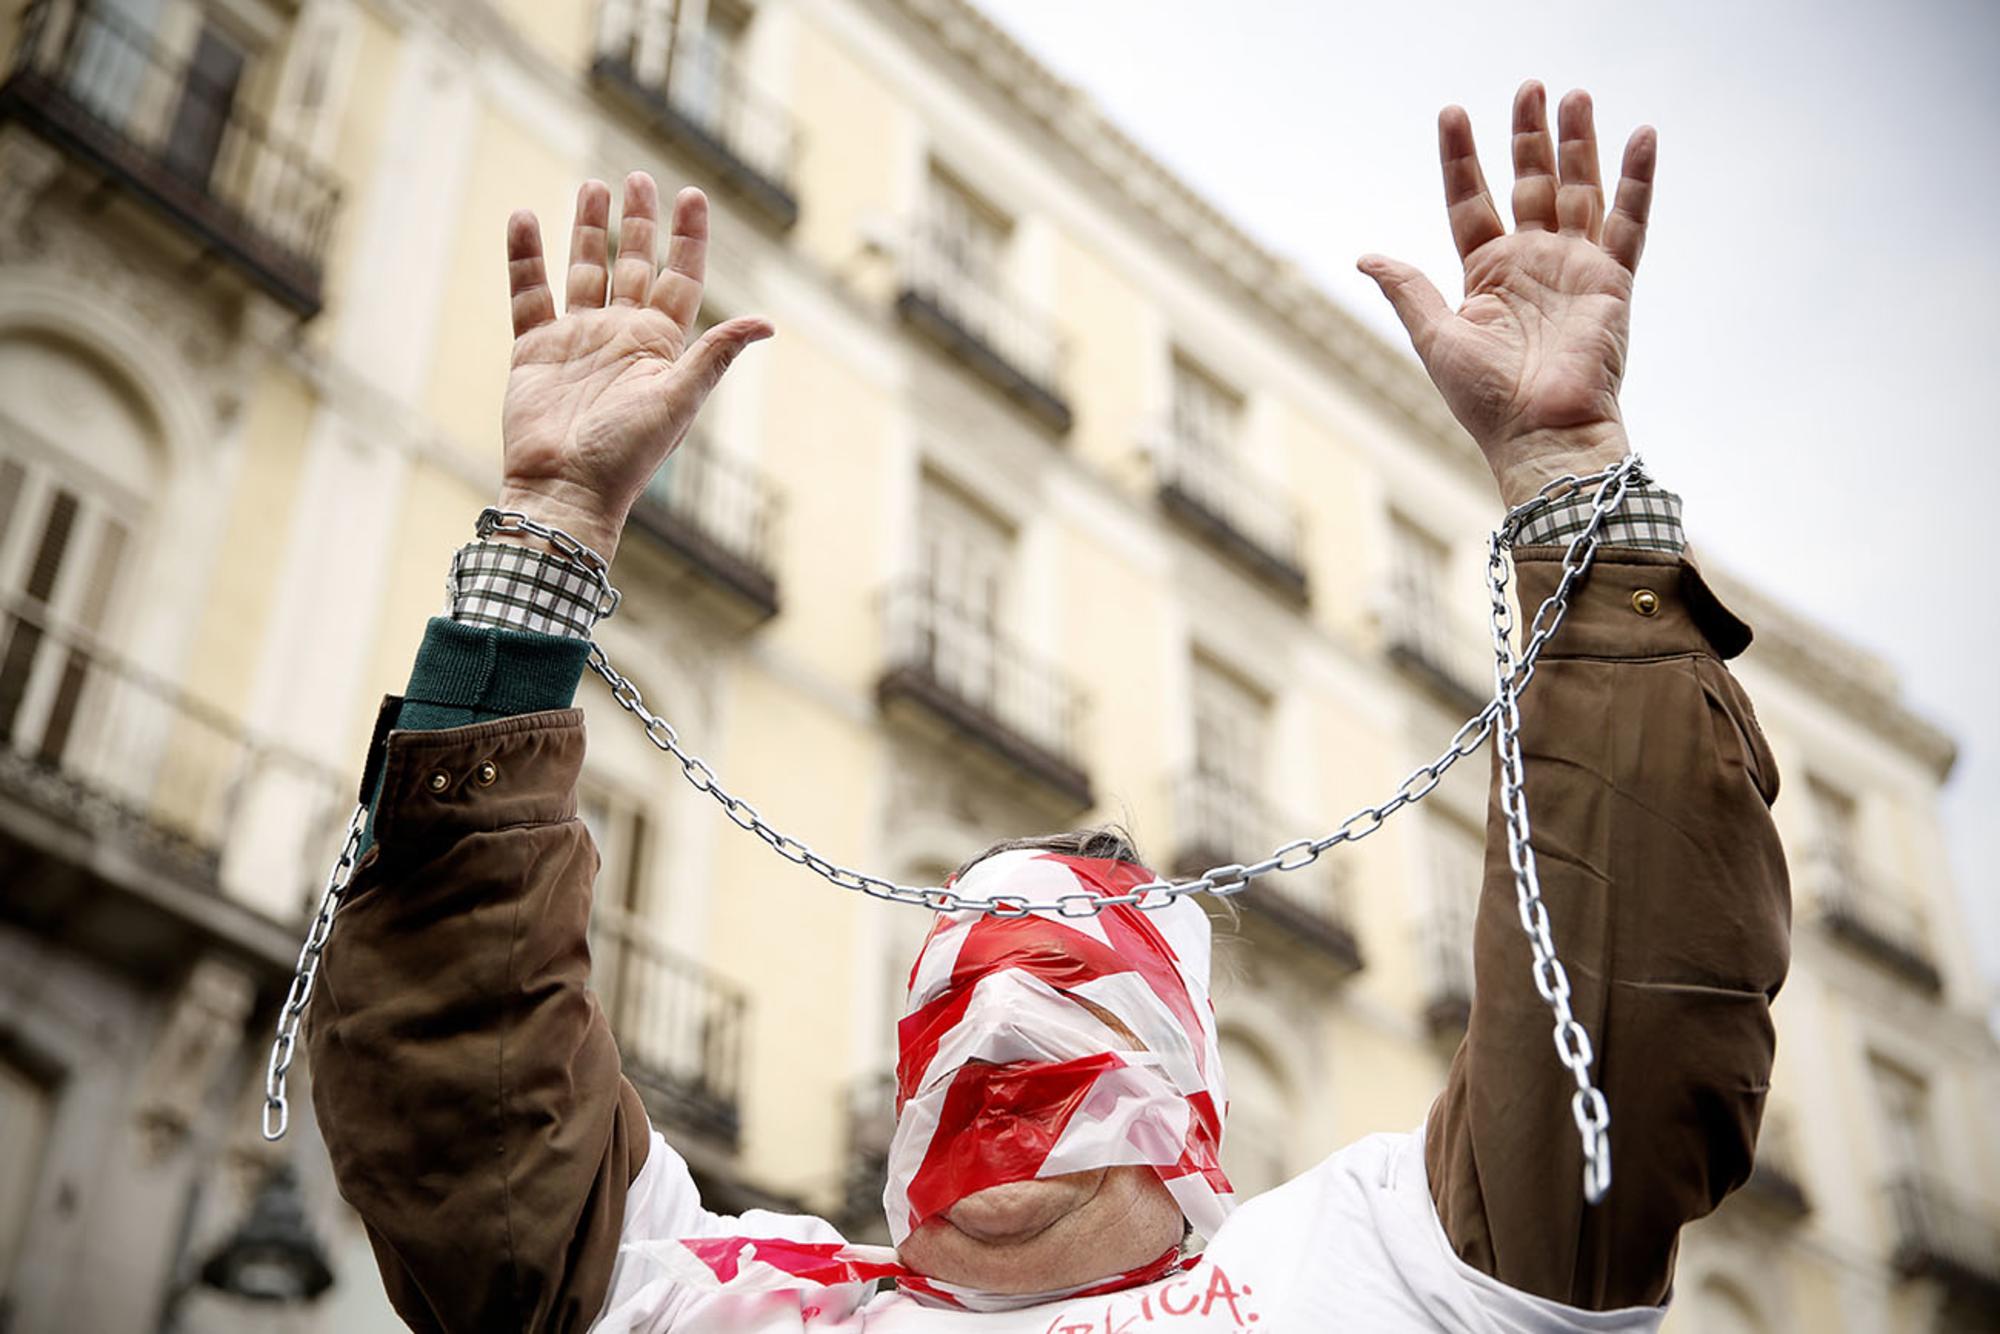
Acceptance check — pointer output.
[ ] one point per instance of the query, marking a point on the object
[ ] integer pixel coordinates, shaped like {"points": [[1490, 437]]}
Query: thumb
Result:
{"points": [[1415, 299], [701, 367]]}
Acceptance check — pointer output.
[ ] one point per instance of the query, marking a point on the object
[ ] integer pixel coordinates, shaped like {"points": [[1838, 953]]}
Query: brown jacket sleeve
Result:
{"points": [[1649, 787], [465, 1081]]}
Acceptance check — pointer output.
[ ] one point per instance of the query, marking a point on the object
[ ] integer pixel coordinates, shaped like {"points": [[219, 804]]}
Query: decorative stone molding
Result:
{"points": [[202, 1031]]}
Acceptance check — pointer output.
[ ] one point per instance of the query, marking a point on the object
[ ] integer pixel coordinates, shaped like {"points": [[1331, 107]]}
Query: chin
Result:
{"points": [[1040, 1236]]}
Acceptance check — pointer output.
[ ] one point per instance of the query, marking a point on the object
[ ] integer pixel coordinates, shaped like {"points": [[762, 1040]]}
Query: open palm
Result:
{"points": [[1531, 363], [598, 397]]}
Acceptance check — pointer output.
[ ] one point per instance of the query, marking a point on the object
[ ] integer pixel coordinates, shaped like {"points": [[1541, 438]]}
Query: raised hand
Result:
{"points": [[1530, 364], [599, 396]]}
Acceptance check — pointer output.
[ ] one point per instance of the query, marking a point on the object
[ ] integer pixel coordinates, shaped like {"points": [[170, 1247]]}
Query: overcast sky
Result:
{"points": [[1817, 323]]}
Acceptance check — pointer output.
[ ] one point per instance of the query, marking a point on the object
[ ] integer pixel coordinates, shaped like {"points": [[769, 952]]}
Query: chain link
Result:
{"points": [[1511, 675], [277, 1111]]}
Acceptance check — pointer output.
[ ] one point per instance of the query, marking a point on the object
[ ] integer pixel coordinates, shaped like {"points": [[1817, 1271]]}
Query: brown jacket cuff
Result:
{"points": [[464, 780], [1631, 604]]}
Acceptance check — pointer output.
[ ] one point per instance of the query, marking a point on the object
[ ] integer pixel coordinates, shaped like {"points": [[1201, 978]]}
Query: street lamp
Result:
{"points": [[273, 1256]]}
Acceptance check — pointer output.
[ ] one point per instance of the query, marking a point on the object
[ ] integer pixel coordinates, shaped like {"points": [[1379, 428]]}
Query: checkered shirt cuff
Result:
{"points": [[513, 587], [1648, 519]]}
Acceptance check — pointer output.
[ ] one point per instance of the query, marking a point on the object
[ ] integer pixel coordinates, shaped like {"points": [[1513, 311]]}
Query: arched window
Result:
{"points": [[1257, 1138]]}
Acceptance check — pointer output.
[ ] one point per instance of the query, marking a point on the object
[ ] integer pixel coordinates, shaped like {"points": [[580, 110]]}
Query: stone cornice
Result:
{"points": [[1270, 283]]}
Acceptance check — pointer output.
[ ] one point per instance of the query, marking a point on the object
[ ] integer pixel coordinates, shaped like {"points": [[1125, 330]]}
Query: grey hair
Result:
{"points": [[1104, 842]]}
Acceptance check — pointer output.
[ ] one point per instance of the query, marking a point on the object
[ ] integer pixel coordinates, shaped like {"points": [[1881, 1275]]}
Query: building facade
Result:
{"points": [[1057, 499]]}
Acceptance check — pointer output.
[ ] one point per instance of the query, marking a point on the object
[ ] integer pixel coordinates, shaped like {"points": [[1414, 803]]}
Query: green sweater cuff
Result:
{"points": [[473, 674], [467, 674]]}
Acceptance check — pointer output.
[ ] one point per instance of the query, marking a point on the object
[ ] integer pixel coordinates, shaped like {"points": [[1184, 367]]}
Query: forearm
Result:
{"points": [[1649, 785], [467, 1084]]}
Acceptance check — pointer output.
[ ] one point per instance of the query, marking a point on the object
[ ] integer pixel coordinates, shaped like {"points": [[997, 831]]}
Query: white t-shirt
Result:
{"points": [[1352, 1244]]}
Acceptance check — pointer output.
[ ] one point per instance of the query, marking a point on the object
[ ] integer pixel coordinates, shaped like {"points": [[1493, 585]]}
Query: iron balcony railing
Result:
{"points": [[960, 669], [871, 1124], [960, 302], [689, 88], [102, 744], [719, 514], [679, 1028], [1446, 656], [1944, 1235], [1220, 822], [1872, 915], [1777, 1178], [91, 80], [1253, 521]]}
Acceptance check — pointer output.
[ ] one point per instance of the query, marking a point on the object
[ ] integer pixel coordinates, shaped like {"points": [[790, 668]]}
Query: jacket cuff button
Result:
{"points": [[486, 773], [1646, 602], [438, 781]]}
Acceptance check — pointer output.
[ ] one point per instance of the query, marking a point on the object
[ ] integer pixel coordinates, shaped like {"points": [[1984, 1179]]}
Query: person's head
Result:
{"points": [[1058, 1076]]}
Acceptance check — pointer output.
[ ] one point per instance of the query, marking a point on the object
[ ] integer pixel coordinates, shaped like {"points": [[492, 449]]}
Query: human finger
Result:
{"points": [[1467, 201], [677, 291], [1534, 161], [587, 240], [632, 274], [528, 294], [1580, 197], [1415, 298], [1625, 228]]}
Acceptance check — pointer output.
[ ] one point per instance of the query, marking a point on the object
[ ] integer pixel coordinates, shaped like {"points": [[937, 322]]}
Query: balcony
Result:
{"points": [[1943, 1236], [1449, 662], [718, 517], [103, 90], [687, 88], [1219, 823], [966, 311], [680, 1030], [950, 668], [1872, 917], [1250, 521], [871, 1123], [128, 810]]}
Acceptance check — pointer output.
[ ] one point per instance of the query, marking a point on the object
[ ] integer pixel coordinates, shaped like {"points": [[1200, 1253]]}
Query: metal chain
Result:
{"points": [[1511, 677], [277, 1111]]}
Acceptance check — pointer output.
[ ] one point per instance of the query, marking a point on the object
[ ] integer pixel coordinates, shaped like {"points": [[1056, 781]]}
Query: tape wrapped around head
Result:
{"points": [[1030, 1046], [1042, 1044]]}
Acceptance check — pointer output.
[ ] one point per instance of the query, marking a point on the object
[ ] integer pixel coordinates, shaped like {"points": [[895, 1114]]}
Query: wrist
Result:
{"points": [[562, 505], [1522, 465]]}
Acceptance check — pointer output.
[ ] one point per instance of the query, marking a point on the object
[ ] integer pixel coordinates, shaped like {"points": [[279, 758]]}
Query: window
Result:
{"points": [[963, 560], [1456, 857], [1206, 412], [65, 537], [1835, 816], [1903, 1099], [617, 825], [1417, 573], [968, 235], [1232, 723]]}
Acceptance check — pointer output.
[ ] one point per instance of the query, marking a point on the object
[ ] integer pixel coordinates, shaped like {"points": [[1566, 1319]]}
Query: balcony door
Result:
{"points": [[65, 539], [201, 113], [1232, 726], [965, 553]]}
